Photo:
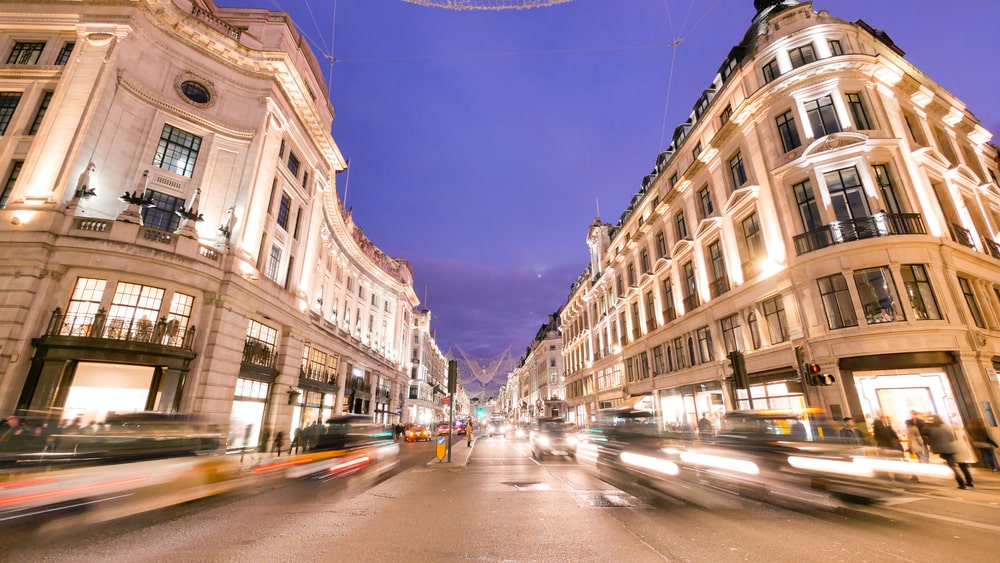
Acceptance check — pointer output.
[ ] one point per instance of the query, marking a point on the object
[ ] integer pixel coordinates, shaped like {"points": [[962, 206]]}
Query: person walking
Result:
{"points": [[885, 435], [942, 442], [918, 448], [468, 435], [851, 434], [982, 441], [704, 426], [279, 442]]}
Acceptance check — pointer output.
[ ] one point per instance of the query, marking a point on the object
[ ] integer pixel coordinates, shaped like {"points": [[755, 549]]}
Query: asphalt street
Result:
{"points": [[493, 502]]}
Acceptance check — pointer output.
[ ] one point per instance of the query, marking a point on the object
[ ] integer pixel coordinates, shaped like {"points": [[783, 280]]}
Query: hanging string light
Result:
{"points": [[487, 4]]}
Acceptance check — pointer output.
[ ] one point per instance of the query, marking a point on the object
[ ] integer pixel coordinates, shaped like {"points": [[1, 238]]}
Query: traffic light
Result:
{"points": [[739, 366], [813, 374], [452, 376]]}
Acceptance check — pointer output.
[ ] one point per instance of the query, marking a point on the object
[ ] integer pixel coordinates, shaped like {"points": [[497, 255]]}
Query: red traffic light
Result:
{"points": [[813, 368]]}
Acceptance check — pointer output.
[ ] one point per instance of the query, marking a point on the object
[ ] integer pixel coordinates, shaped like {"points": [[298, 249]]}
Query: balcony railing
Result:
{"points": [[259, 353], [321, 375], [991, 247], [100, 326], [881, 224], [356, 384], [961, 235], [210, 18], [691, 302]]}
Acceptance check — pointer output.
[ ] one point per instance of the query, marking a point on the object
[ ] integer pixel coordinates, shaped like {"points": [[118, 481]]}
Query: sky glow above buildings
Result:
{"points": [[483, 143]]}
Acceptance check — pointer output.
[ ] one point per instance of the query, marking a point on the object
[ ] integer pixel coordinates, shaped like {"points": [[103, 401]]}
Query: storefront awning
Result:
{"points": [[632, 401]]}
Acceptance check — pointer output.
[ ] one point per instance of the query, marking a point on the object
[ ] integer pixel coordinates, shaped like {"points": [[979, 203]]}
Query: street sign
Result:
{"points": [[442, 446]]}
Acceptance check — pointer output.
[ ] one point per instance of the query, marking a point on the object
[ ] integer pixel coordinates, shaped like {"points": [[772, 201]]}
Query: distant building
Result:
{"points": [[539, 374], [825, 204], [428, 384], [171, 237]]}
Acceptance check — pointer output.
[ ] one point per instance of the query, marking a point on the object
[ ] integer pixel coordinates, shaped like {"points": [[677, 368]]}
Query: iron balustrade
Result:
{"points": [[961, 235], [691, 302], [881, 224], [992, 248], [318, 374], [259, 353], [357, 384], [100, 326]]}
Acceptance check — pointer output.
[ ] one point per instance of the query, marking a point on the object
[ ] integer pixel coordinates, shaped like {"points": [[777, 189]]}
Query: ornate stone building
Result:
{"points": [[171, 237], [822, 232], [539, 375]]}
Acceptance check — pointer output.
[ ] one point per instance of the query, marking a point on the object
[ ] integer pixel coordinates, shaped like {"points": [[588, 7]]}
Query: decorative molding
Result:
{"points": [[141, 92]]}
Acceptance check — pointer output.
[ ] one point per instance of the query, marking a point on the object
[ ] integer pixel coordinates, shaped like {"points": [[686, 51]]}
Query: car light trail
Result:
{"points": [[651, 463], [830, 466], [349, 463], [720, 462], [906, 467], [74, 490]]}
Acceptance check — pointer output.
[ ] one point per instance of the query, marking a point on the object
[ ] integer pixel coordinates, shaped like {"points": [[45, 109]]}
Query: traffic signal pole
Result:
{"points": [[452, 383]]}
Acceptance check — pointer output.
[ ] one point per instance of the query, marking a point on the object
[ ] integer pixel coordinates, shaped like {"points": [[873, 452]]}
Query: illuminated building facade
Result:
{"points": [[171, 237], [539, 374], [826, 204], [428, 384]]}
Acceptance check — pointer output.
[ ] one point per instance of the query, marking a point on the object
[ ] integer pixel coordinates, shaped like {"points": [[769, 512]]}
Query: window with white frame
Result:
{"points": [[822, 116], [177, 151]]}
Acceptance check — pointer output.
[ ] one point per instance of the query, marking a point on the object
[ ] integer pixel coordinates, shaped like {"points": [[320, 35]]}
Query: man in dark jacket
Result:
{"points": [[851, 434], [942, 442]]}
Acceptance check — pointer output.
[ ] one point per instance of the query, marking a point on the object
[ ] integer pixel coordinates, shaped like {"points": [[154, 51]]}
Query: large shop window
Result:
{"points": [[248, 414], [101, 389], [684, 405]]}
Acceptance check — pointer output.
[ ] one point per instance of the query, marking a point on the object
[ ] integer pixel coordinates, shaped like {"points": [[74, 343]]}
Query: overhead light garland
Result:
{"points": [[487, 4]]}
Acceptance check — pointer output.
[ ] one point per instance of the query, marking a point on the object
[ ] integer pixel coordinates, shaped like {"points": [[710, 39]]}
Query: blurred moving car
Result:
{"points": [[460, 426], [120, 438], [416, 433], [345, 445], [497, 427], [554, 436], [443, 429], [522, 431], [776, 456]]}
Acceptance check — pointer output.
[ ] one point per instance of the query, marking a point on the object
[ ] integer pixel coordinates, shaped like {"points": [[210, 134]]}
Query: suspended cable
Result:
{"points": [[503, 53], [678, 39]]}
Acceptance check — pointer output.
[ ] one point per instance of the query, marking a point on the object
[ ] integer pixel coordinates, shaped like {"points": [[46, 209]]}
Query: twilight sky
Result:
{"points": [[482, 143]]}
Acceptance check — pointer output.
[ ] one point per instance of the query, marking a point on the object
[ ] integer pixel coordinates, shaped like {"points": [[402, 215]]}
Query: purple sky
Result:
{"points": [[481, 142]]}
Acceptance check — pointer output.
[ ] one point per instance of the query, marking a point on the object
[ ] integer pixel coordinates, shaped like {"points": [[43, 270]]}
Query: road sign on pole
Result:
{"points": [[442, 446]]}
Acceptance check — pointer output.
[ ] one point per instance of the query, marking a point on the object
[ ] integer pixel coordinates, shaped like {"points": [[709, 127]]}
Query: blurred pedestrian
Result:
{"points": [[885, 435], [704, 426], [982, 441], [942, 442], [468, 435], [279, 442], [851, 434], [918, 449], [13, 433]]}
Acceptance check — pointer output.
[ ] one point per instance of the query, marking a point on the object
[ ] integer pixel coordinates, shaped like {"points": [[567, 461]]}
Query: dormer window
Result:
{"points": [[770, 70], [802, 55]]}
